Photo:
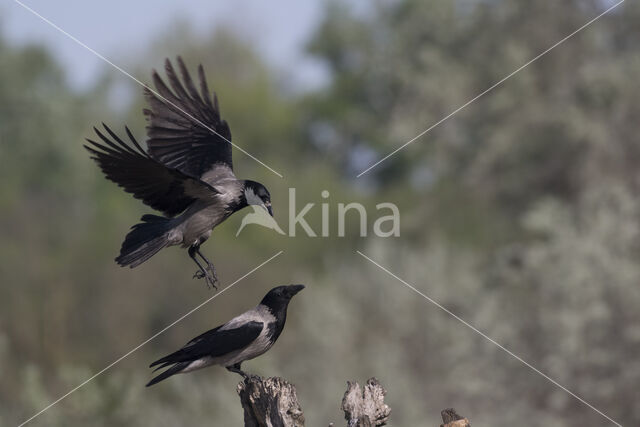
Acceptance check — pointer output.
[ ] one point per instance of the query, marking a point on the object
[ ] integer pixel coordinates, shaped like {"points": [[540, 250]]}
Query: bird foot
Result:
{"points": [[211, 279], [212, 270], [247, 378]]}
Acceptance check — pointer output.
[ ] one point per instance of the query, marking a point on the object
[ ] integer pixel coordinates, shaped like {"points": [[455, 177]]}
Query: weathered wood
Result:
{"points": [[450, 418], [270, 402], [273, 402], [365, 407]]}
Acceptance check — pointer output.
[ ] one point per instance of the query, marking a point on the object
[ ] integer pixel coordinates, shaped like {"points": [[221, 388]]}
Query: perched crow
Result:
{"points": [[187, 172], [242, 338]]}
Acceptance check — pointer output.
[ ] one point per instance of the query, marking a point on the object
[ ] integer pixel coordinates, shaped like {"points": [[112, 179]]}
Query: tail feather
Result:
{"points": [[175, 369], [144, 240], [164, 365]]}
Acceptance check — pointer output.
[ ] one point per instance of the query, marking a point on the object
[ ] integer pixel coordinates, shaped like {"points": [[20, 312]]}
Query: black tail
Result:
{"points": [[144, 240], [169, 372]]}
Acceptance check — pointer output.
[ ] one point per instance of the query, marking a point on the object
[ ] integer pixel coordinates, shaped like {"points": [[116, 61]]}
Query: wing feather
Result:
{"points": [[158, 186], [187, 132], [214, 343]]}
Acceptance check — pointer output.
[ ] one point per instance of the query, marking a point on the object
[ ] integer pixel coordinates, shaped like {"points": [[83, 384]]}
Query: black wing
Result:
{"points": [[158, 186], [185, 130], [214, 343]]}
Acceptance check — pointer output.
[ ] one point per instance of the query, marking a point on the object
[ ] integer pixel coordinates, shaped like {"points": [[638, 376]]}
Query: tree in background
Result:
{"points": [[519, 214], [523, 206]]}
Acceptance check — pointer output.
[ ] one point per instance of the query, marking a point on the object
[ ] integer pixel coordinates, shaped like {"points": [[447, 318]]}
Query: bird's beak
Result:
{"points": [[267, 206], [294, 289]]}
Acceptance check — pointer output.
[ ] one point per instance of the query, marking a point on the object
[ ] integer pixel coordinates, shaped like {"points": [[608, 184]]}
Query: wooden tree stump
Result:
{"points": [[271, 402], [450, 418], [365, 407]]}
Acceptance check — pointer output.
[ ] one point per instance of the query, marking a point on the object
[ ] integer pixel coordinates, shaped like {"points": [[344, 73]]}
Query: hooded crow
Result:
{"points": [[242, 338], [186, 172]]}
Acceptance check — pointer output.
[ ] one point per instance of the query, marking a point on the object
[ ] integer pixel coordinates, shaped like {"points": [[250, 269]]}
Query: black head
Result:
{"points": [[278, 298], [257, 194]]}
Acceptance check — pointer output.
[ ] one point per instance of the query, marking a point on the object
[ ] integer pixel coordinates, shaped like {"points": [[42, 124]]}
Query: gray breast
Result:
{"points": [[200, 218]]}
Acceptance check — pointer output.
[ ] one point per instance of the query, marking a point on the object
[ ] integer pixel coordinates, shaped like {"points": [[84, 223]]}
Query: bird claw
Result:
{"points": [[250, 377], [213, 274], [211, 284], [210, 277]]}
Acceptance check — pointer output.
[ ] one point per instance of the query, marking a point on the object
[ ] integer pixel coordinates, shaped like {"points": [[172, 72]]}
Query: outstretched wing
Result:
{"points": [[185, 130], [214, 343], [163, 188]]}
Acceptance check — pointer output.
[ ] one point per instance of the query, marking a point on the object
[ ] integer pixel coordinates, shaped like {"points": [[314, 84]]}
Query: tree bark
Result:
{"points": [[271, 402], [365, 407], [450, 418]]}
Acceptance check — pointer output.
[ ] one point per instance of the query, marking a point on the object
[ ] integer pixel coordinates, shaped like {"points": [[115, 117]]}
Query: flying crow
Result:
{"points": [[186, 172], [242, 338]]}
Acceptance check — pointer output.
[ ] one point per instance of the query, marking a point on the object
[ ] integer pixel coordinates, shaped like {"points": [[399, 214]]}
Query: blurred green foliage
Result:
{"points": [[520, 214]]}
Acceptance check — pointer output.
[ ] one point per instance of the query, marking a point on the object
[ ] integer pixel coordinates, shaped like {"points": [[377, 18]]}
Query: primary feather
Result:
{"points": [[186, 132], [163, 188]]}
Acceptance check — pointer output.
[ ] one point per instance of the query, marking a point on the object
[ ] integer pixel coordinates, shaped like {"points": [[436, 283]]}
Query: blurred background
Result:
{"points": [[520, 213]]}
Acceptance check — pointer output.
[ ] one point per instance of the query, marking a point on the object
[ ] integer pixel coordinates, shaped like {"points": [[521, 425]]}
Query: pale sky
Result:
{"points": [[117, 28]]}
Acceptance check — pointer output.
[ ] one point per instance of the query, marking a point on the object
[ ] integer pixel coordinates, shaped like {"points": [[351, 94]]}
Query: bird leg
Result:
{"points": [[210, 266], [202, 272], [236, 368]]}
